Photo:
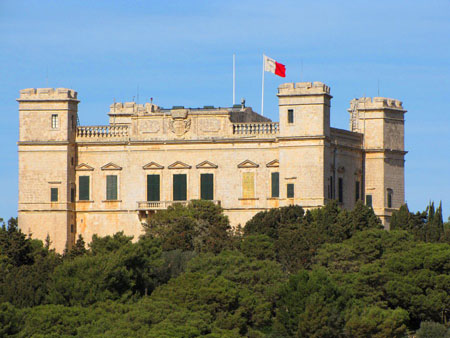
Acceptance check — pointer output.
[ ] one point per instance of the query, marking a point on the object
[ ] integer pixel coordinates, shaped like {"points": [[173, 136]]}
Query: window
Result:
{"points": [[341, 189], [111, 187], [389, 198], [357, 191], [72, 195], [290, 190], [369, 200], [290, 116], [275, 184], [331, 188], [84, 188], [71, 228], [153, 188], [54, 194], [207, 186], [179, 187], [54, 121], [248, 185]]}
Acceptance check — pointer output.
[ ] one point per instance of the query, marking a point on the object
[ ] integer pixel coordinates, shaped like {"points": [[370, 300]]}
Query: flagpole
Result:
{"points": [[234, 79], [262, 90]]}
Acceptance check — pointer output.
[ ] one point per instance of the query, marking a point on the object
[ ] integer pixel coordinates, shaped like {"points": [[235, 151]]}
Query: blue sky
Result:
{"points": [[180, 53]]}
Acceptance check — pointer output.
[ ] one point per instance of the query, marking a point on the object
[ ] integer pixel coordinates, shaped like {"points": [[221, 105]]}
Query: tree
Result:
{"points": [[14, 245]]}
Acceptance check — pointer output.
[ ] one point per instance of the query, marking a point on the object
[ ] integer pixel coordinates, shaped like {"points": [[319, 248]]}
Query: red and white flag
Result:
{"points": [[270, 65]]}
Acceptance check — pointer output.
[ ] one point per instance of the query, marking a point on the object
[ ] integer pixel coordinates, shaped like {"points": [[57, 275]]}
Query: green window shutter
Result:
{"points": [[369, 200], [207, 186], [111, 187], [153, 188], [179, 187], [54, 194], [290, 190], [84, 188], [275, 184]]}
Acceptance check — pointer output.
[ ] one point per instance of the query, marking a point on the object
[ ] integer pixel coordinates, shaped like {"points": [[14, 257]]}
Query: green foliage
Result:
{"points": [[432, 330], [14, 246], [258, 246], [427, 226], [119, 274], [201, 226]]}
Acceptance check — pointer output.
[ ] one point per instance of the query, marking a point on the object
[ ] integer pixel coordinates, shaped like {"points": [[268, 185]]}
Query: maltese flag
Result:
{"points": [[270, 65]]}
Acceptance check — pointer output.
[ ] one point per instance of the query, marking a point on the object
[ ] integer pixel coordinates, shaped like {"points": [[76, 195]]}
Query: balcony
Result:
{"points": [[161, 205]]}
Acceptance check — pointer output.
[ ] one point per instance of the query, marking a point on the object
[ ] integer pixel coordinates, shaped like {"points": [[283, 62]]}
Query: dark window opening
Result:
{"points": [[275, 184], [369, 200], [153, 187], [357, 191], [290, 190], [72, 195], [84, 188], [290, 116], [207, 186], [389, 198], [111, 187], [179, 187], [341, 189], [54, 194]]}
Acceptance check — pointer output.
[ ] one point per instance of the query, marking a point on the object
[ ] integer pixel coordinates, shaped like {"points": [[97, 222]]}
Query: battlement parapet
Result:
{"points": [[131, 108], [303, 88], [368, 103], [47, 94]]}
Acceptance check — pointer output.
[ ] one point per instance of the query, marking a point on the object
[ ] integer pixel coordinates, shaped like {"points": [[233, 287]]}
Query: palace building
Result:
{"points": [[103, 179]]}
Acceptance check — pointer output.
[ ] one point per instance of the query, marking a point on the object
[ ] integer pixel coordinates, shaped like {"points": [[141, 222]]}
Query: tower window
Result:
{"points": [[54, 121], [207, 186], [369, 200], [290, 190], [275, 184], [72, 194], [54, 194], [341, 189], [389, 198], [290, 116], [357, 191], [111, 187]]}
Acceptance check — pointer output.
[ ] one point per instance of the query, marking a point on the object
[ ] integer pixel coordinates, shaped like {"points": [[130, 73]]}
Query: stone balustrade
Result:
{"points": [[160, 205], [256, 128], [85, 132]]}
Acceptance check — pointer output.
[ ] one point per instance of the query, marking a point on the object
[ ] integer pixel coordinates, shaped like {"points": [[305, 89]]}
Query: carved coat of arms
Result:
{"points": [[179, 124]]}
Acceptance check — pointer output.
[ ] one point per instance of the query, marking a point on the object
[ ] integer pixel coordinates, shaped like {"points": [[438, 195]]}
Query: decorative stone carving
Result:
{"points": [[149, 126], [209, 125], [180, 124]]}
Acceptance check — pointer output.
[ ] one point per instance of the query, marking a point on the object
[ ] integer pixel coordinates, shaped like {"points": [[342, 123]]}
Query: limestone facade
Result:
{"points": [[102, 179]]}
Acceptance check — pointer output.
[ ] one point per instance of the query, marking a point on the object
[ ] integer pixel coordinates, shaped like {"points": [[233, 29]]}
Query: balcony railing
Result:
{"points": [[256, 128], [161, 205], [86, 132]]}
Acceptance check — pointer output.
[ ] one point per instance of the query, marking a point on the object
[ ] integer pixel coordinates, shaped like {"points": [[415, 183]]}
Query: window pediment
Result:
{"points": [[111, 166], [206, 165], [152, 165], [248, 164], [273, 164], [179, 165], [84, 167]]}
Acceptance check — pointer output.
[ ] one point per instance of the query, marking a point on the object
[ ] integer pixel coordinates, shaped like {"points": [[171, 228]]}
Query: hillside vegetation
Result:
{"points": [[287, 273]]}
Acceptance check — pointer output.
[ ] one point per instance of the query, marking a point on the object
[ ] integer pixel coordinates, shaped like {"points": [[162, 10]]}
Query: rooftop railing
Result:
{"points": [[102, 132], [256, 128]]}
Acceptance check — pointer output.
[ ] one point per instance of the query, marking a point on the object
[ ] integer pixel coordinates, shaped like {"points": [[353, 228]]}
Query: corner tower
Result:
{"points": [[47, 156], [381, 121]]}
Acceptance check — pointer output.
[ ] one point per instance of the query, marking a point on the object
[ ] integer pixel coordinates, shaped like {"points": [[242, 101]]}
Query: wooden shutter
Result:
{"points": [[54, 194], [84, 188], [153, 187], [290, 190], [207, 186], [179, 187], [248, 185], [111, 187], [275, 184]]}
